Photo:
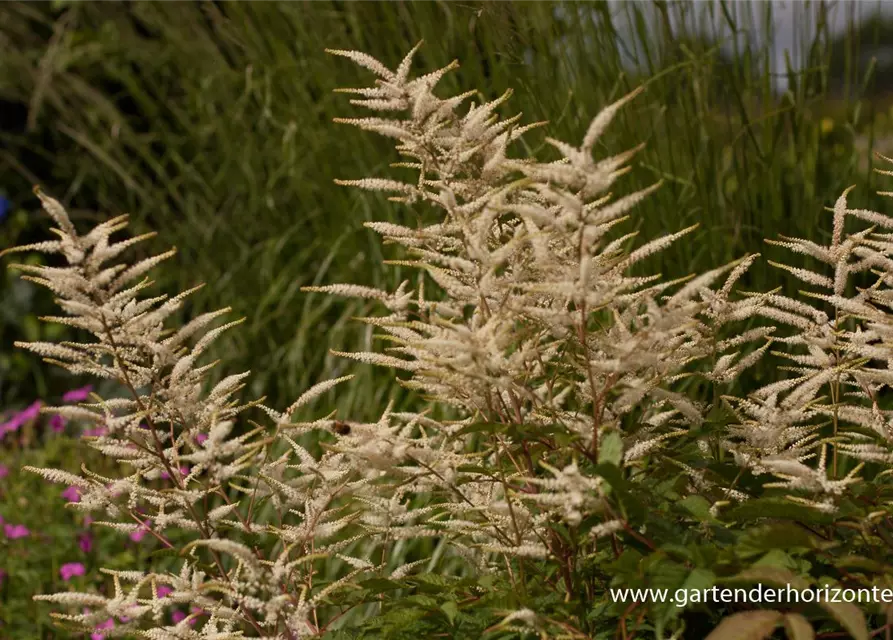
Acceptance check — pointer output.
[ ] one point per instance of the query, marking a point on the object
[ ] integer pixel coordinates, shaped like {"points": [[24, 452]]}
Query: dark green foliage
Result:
{"points": [[211, 123], [31, 564]]}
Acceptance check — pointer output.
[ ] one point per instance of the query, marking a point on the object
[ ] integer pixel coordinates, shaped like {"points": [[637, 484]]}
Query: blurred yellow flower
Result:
{"points": [[827, 125]]}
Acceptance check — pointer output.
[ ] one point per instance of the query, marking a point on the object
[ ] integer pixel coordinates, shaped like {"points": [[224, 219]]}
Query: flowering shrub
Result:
{"points": [[43, 546], [578, 435]]}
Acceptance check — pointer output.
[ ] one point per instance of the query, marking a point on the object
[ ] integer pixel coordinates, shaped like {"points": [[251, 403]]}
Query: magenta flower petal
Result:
{"points": [[179, 616], [140, 533], [108, 624], [96, 432], [77, 395], [184, 471], [57, 423], [71, 569], [85, 542], [164, 591], [4, 471], [31, 412], [20, 418], [16, 531], [123, 619], [200, 438], [72, 494]]}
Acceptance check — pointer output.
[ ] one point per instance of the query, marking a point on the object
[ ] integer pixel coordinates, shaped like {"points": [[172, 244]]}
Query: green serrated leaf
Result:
{"points": [[849, 616], [747, 625], [778, 576], [776, 508], [779, 535], [699, 580], [698, 506], [487, 581], [165, 553], [421, 600], [473, 468], [479, 427], [633, 508], [797, 627], [610, 449], [450, 609], [777, 558], [380, 585], [861, 562]]}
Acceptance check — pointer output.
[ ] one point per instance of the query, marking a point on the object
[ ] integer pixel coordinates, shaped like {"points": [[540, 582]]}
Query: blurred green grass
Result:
{"points": [[211, 123]]}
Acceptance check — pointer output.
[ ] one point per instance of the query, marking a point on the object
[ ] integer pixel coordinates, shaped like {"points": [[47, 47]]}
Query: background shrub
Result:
{"points": [[206, 122]]}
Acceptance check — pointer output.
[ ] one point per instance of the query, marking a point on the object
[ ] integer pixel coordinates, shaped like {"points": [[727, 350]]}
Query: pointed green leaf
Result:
{"points": [[610, 449], [747, 625], [779, 535], [798, 628], [849, 616], [776, 508], [698, 506], [773, 575], [450, 609]]}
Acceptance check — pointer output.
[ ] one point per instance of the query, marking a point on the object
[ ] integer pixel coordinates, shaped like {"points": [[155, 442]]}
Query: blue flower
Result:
{"points": [[5, 207]]}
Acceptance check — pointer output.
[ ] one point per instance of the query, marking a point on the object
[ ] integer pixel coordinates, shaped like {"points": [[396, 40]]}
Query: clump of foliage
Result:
{"points": [[194, 123], [44, 547], [578, 434]]}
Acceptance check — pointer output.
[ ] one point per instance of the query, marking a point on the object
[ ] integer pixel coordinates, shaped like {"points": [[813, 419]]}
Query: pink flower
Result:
{"points": [[22, 417], [4, 471], [184, 471], [70, 570], [85, 542], [179, 616], [77, 395], [95, 432], [124, 619], [108, 624], [32, 411], [57, 423], [72, 494], [164, 591], [140, 533], [16, 531], [200, 438]]}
